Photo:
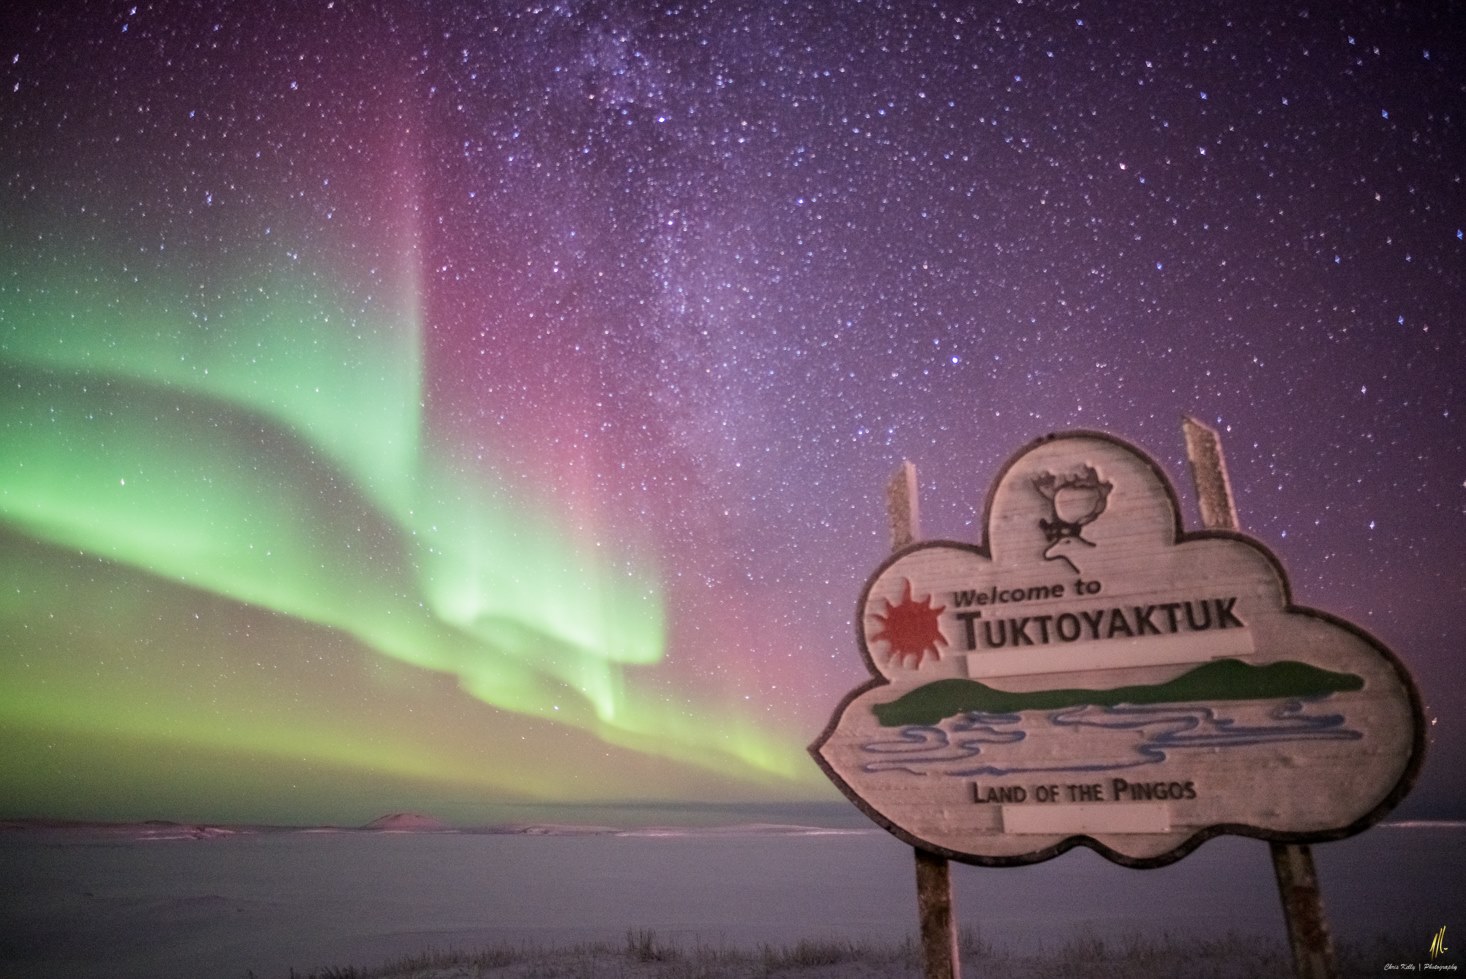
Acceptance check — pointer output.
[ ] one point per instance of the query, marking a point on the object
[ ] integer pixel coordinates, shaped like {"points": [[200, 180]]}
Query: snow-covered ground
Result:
{"points": [[163, 901]]}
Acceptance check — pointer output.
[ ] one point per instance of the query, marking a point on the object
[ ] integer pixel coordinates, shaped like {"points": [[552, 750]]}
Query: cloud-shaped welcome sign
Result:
{"points": [[1092, 674]]}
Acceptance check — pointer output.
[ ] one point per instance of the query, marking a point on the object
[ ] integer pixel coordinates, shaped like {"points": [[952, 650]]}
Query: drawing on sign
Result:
{"points": [[910, 628], [1073, 501], [941, 729], [1092, 674]]}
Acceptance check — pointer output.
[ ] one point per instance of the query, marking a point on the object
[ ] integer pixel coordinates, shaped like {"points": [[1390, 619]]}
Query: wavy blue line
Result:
{"points": [[932, 749]]}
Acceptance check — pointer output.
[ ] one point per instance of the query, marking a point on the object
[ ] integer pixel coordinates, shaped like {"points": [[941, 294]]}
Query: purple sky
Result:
{"points": [[443, 405]]}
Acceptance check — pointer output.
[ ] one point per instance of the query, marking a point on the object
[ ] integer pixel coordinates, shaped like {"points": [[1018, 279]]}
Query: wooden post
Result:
{"points": [[901, 508], [1308, 929], [934, 910], [933, 872], [1209, 473]]}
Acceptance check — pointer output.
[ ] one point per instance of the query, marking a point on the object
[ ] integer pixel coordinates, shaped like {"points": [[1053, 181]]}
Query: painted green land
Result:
{"points": [[1224, 679]]}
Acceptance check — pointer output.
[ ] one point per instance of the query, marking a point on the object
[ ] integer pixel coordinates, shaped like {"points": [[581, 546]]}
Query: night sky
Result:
{"points": [[451, 407]]}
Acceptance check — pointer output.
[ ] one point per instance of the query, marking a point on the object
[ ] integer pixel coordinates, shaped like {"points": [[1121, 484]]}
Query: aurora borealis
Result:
{"points": [[451, 406]]}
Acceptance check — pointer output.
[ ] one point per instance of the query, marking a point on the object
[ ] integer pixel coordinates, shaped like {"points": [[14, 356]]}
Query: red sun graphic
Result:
{"points": [[911, 627]]}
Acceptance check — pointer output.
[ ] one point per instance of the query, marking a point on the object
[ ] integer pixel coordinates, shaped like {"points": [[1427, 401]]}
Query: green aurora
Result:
{"points": [[269, 467]]}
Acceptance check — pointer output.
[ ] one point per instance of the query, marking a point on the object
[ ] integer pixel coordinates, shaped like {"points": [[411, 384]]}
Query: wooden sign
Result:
{"points": [[1093, 675]]}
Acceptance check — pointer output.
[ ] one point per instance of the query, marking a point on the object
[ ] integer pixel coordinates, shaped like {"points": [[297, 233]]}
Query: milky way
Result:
{"points": [[446, 406]]}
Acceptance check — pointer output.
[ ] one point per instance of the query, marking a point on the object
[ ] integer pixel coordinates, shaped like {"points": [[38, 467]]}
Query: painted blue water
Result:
{"points": [[1128, 736]]}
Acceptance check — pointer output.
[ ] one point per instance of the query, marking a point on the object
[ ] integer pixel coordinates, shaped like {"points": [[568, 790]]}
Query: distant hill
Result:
{"points": [[405, 822]]}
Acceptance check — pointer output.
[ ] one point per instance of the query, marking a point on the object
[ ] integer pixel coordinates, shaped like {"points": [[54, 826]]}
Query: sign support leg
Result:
{"points": [[934, 909], [933, 872], [1308, 929]]}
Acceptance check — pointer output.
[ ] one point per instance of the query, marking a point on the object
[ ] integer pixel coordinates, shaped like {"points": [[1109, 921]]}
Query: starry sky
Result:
{"points": [[467, 406]]}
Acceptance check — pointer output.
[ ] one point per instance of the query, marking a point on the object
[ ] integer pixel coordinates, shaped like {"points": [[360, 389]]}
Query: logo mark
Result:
{"points": [[1075, 501], [1438, 944], [911, 628]]}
